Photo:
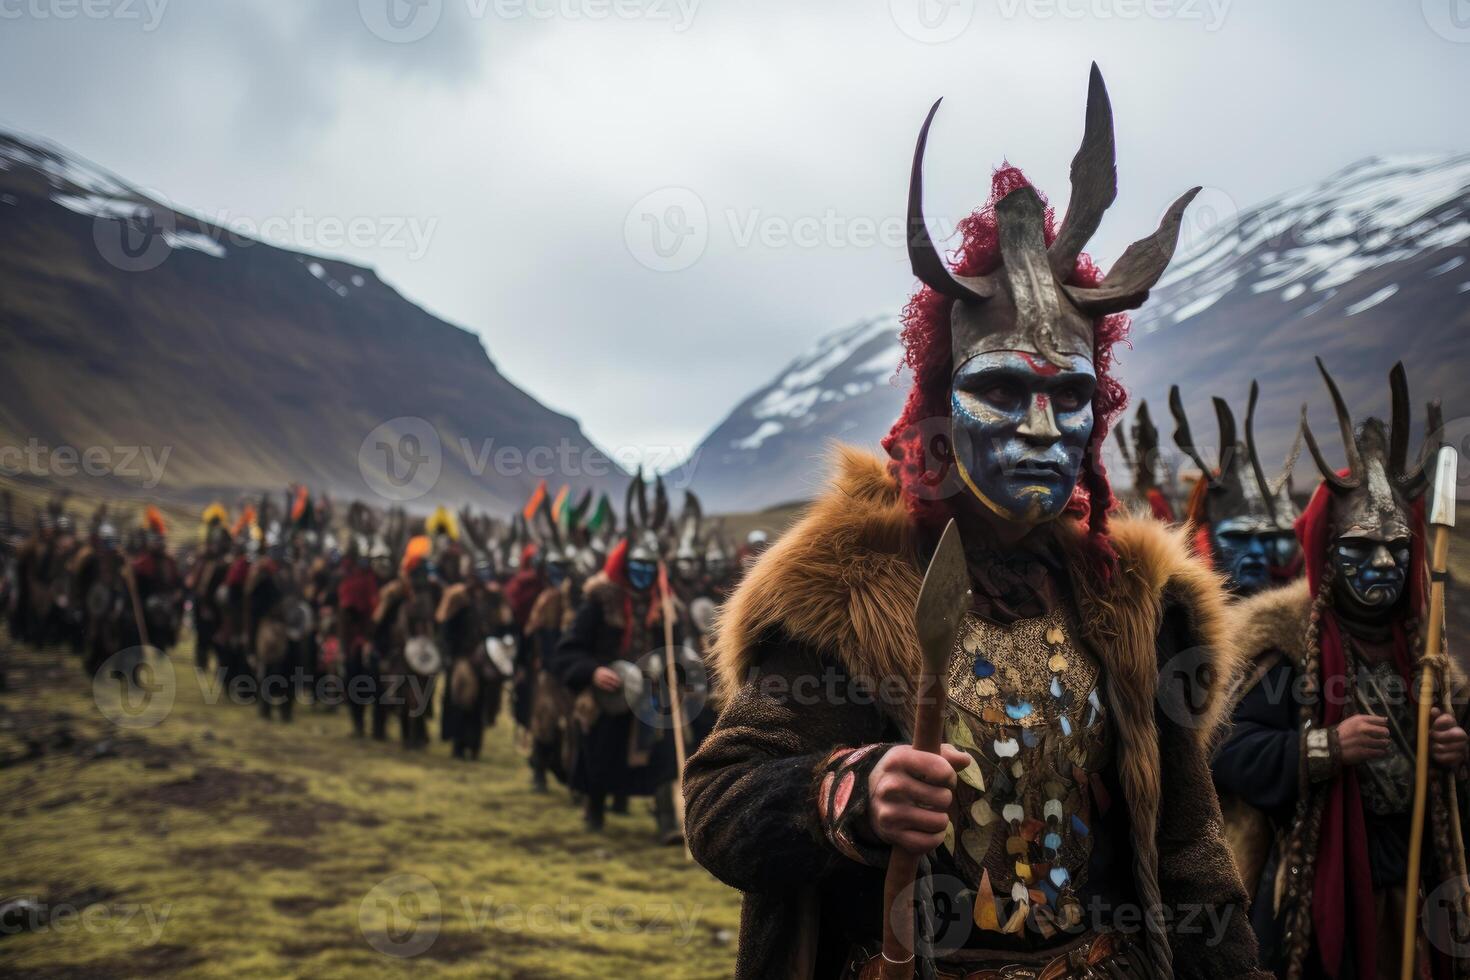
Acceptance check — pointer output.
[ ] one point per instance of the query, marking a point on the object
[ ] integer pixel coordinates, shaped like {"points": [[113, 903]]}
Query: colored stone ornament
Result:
{"points": [[1056, 636], [1030, 738], [1079, 827], [1066, 725], [983, 668], [981, 813], [1012, 813], [1056, 688], [1056, 663], [1060, 877], [1017, 709], [976, 842], [985, 687], [1006, 748]]}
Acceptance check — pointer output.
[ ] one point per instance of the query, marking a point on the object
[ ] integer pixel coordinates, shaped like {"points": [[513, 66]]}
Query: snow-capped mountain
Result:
{"points": [[127, 324], [1364, 268]]}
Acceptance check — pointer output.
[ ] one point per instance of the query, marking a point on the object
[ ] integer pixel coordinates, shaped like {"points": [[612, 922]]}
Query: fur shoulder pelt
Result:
{"points": [[843, 580], [1275, 620], [546, 612]]}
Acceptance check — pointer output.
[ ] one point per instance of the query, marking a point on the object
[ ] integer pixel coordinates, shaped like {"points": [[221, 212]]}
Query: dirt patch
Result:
{"points": [[262, 855], [158, 959], [211, 787], [301, 906]]}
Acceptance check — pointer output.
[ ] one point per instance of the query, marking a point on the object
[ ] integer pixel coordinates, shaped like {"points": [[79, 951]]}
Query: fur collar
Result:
{"points": [[1274, 620], [844, 579]]}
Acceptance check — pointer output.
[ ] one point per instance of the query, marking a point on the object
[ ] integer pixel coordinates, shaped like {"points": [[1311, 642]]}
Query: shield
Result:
{"points": [[423, 656], [702, 613], [501, 655], [299, 619], [621, 701]]}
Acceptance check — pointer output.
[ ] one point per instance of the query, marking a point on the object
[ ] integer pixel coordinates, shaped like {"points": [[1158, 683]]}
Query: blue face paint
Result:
{"points": [[1021, 426], [1371, 573], [1243, 553], [641, 574]]}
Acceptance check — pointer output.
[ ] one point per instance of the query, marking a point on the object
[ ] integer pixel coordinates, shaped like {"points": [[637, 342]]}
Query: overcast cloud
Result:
{"points": [[765, 142]]}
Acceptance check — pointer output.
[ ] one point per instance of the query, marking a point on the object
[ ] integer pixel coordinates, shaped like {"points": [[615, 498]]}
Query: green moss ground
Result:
{"points": [[215, 844]]}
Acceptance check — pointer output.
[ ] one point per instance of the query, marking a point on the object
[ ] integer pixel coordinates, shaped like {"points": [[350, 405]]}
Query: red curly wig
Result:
{"points": [[926, 344]]}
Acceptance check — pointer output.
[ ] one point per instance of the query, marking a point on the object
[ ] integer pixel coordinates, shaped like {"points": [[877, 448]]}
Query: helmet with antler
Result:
{"points": [[1248, 517], [1023, 337], [1373, 499], [1029, 304]]}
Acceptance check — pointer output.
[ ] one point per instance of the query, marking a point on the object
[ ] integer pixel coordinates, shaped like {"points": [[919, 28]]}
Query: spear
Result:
{"points": [[1442, 519], [938, 613]]}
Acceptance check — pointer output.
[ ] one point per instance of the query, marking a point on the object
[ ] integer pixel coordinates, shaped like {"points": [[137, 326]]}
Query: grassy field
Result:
{"points": [[215, 844]]}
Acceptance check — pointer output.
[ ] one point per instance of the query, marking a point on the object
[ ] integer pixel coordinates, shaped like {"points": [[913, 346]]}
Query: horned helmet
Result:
{"points": [[642, 533], [1247, 516], [1022, 337], [1371, 509]]}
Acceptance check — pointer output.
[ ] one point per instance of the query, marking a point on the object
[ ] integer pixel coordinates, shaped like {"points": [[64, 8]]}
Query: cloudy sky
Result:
{"points": [[646, 207]]}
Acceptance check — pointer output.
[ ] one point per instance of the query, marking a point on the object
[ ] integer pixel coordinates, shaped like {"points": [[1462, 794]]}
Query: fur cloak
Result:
{"points": [[838, 590]]}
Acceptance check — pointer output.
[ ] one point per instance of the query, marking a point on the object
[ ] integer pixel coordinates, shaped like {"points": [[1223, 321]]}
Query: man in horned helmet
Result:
{"points": [[1242, 521], [1317, 768], [1067, 797], [620, 751]]}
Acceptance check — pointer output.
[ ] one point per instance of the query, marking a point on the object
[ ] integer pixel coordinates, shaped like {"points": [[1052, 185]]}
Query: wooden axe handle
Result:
{"points": [[898, 920]]}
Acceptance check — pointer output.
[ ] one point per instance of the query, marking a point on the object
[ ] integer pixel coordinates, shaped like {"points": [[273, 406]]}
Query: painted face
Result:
{"points": [[641, 574], [687, 568], [1370, 573], [1021, 426], [1243, 551]]}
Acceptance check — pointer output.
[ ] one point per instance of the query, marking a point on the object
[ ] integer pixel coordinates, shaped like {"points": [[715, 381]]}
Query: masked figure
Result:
{"points": [[1146, 462], [403, 637], [1241, 521], [102, 595], [621, 751], [357, 599], [1074, 789], [203, 583], [1317, 769]]}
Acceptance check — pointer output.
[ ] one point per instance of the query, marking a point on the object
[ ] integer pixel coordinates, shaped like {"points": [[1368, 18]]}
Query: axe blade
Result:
{"points": [[942, 600], [1442, 513]]}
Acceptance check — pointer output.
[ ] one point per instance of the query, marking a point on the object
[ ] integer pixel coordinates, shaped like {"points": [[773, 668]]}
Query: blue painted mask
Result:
{"points": [[1021, 426], [1370, 573], [1243, 551], [641, 574]]}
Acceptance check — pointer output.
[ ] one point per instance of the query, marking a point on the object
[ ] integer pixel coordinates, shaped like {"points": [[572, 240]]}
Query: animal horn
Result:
{"points": [[1416, 480], [630, 498], [1398, 434], [924, 258], [1254, 453], [1184, 439], [1094, 180], [1350, 445], [1128, 282]]}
